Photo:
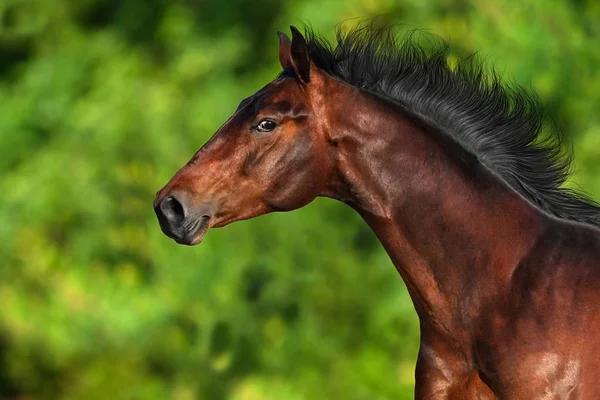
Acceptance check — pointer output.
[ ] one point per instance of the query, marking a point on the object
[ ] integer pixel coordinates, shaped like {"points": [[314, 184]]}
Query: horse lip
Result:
{"points": [[193, 234]]}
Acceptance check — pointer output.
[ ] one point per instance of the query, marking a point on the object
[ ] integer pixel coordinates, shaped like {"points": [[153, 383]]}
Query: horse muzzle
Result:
{"points": [[180, 219]]}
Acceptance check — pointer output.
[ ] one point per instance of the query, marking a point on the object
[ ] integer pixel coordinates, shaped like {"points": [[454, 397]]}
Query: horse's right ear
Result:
{"points": [[284, 50], [293, 54]]}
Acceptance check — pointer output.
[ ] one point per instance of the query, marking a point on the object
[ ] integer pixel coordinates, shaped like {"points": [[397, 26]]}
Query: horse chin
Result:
{"points": [[199, 237]]}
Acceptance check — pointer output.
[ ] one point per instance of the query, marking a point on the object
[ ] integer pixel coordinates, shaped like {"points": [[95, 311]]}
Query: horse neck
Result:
{"points": [[453, 230]]}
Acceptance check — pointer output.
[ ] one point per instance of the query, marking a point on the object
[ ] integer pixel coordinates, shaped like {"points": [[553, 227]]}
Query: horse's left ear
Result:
{"points": [[299, 57]]}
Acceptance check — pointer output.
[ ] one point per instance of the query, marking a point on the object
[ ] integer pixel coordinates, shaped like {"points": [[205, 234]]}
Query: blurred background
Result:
{"points": [[102, 100]]}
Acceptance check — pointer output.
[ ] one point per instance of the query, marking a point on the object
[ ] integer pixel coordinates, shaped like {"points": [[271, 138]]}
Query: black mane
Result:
{"points": [[505, 127]]}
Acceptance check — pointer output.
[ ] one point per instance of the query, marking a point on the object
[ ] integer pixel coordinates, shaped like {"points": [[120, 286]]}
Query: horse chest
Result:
{"points": [[513, 374], [544, 376]]}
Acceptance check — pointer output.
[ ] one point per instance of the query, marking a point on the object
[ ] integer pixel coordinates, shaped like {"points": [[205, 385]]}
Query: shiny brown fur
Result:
{"points": [[508, 297]]}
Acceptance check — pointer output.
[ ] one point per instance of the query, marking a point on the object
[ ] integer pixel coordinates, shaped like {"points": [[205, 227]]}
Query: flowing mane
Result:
{"points": [[504, 126]]}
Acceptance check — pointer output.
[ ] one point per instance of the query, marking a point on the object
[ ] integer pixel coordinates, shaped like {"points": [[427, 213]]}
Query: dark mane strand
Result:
{"points": [[504, 126]]}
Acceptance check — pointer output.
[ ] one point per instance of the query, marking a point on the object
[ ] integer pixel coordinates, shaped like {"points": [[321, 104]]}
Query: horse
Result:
{"points": [[460, 177]]}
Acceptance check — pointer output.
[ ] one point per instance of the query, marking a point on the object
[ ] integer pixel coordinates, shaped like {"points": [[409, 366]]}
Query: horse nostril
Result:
{"points": [[172, 209]]}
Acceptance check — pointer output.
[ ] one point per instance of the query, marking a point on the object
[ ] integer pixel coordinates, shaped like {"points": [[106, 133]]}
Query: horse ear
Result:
{"points": [[300, 59], [284, 50]]}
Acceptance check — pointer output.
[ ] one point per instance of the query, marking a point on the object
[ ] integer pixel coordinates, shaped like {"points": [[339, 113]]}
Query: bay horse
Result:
{"points": [[458, 175]]}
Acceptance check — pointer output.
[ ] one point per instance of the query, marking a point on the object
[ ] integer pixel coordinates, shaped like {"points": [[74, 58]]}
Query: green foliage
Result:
{"points": [[102, 100]]}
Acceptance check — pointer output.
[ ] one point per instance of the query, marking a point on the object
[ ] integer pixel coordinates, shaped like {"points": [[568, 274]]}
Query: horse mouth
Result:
{"points": [[192, 234]]}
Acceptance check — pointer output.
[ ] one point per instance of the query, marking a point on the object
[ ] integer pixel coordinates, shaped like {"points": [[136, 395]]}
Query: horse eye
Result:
{"points": [[266, 125]]}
